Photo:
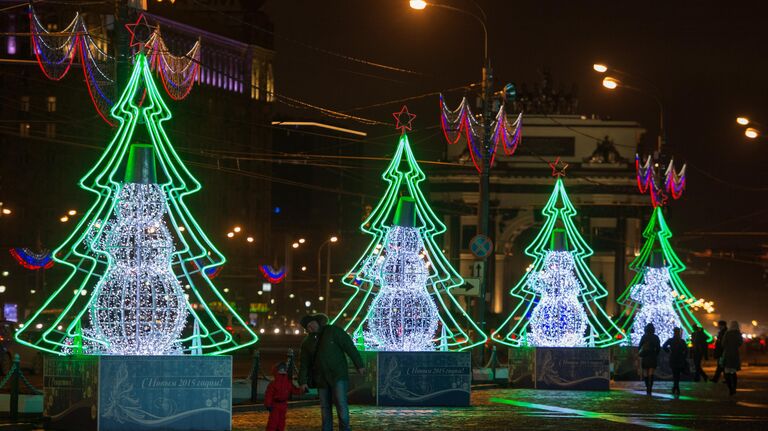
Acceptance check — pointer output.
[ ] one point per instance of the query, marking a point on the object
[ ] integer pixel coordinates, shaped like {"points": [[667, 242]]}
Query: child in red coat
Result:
{"points": [[276, 398]]}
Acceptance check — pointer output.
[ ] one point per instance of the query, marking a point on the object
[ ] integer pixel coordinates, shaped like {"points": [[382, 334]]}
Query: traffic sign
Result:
{"points": [[471, 287], [481, 246]]}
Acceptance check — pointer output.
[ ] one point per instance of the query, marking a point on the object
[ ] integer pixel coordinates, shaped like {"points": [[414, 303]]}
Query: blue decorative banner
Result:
{"points": [[424, 378], [138, 393], [578, 368]]}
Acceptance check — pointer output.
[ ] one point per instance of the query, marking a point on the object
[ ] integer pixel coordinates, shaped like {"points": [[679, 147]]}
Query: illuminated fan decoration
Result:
{"points": [[462, 123], [31, 260], [558, 299], [370, 274], [272, 275], [138, 237], [56, 51]]}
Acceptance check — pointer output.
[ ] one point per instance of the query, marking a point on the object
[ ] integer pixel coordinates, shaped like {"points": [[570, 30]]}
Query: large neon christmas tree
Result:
{"points": [[558, 297], [403, 278], [657, 294], [138, 260]]}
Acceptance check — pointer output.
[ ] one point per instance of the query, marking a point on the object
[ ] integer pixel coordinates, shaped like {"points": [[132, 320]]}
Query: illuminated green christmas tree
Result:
{"points": [[401, 266], [140, 266], [558, 299]]}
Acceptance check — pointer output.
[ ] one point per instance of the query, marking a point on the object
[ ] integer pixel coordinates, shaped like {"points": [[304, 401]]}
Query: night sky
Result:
{"points": [[708, 59]]}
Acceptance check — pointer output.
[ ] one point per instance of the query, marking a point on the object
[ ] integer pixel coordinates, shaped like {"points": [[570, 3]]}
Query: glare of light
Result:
{"points": [[302, 240], [60, 327], [610, 83], [261, 331], [295, 245], [272, 301], [2, 288], [230, 234], [277, 330], [249, 239], [303, 268], [260, 292], [742, 120], [83, 292], [226, 290], [330, 280], [72, 212], [237, 229], [600, 68], [321, 298], [754, 323], [751, 133], [417, 4], [64, 219], [6, 211], [334, 238], [291, 296], [32, 291], [182, 229], [186, 286], [5, 273], [296, 331], [39, 326], [307, 304]]}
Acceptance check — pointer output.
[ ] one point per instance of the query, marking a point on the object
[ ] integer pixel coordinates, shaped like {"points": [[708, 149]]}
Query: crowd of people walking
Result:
{"points": [[726, 353]]}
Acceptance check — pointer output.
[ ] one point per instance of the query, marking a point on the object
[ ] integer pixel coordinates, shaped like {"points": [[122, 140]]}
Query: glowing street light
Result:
{"points": [[249, 239], [6, 211], [237, 229], [417, 4], [295, 245], [751, 133], [303, 268], [230, 234], [334, 239], [742, 120], [302, 240], [610, 83], [72, 212], [307, 304], [64, 219], [600, 68]]}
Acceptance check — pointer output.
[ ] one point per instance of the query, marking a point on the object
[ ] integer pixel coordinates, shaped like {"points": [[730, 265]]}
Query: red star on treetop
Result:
{"points": [[142, 27], [404, 119], [558, 168]]}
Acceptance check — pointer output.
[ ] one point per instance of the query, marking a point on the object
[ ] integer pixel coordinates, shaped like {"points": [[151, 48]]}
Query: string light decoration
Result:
{"points": [[682, 302], [56, 51], [403, 317], [169, 252], [461, 122], [367, 277], [558, 320], [32, 260], [656, 299], [271, 275], [673, 183], [559, 252], [139, 308]]}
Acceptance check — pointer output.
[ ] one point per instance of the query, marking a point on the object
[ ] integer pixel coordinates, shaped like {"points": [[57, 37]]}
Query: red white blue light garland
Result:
{"points": [[272, 275], [673, 184], [31, 260], [461, 122]]}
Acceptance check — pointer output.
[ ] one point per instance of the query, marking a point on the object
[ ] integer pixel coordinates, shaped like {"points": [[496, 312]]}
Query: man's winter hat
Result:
{"points": [[320, 318]]}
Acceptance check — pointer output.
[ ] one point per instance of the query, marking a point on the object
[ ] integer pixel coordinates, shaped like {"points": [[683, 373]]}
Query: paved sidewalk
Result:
{"points": [[703, 406]]}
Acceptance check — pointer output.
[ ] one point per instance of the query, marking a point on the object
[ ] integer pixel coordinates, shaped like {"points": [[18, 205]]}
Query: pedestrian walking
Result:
{"points": [[700, 352], [324, 366], [722, 327], [276, 398], [730, 359], [678, 351], [648, 350]]}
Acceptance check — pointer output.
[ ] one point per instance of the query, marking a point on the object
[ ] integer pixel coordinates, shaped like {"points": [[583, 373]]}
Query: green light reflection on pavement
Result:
{"points": [[590, 415]]}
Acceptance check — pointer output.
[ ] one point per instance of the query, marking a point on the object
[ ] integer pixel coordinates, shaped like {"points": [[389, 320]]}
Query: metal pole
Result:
{"points": [[14, 407], [319, 270], [255, 376], [327, 280], [484, 198]]}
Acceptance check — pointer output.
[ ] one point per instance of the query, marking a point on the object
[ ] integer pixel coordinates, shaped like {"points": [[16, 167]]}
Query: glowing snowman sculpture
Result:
{"points": [[656, 298], [558, 320], [403, 316], [139, 308]]}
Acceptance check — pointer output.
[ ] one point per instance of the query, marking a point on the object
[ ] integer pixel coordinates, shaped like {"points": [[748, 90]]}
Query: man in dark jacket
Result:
{"points": [[700, 351], [324, 365], [722, 328]]}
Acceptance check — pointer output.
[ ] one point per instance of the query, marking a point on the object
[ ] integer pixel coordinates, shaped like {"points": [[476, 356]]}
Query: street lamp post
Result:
{"points": [[483, 210], [327, 298]]}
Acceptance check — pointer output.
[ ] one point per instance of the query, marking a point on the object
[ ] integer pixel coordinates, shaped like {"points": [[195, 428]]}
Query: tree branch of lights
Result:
{"points": [[134, 234], [558, 271], [667, 272], [370, 273]]}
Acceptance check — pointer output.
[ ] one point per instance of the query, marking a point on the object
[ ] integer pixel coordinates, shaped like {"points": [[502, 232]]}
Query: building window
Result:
{"points": [[51, 103], [255, 76], [50, 130], [24, 129], [270, 90], [11, 43], [24, 104]]}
